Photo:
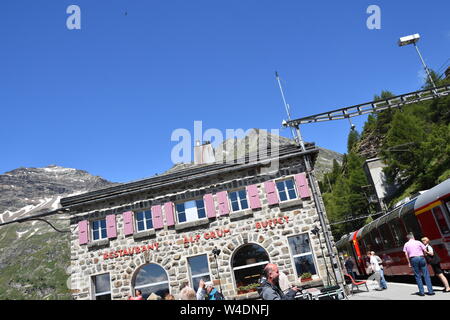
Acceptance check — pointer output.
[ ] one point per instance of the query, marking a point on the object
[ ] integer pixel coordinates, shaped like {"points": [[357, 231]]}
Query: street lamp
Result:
{"points": [[403, 41], [316, 231], [216, 252]]}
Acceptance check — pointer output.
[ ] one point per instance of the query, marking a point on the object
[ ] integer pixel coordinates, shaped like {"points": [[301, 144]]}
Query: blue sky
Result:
{"points": [[107, 98]]}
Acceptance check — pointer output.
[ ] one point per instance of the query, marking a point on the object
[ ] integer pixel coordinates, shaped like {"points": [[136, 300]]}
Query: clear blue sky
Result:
{"points": [[106, 98]]}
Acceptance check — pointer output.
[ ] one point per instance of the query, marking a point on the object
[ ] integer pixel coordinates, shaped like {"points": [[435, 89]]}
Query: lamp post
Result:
{"points": [[316, 232], [216, 252], [413, 39]]}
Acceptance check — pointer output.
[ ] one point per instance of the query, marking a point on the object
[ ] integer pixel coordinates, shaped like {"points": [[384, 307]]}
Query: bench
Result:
{"points": [[356, 283]]}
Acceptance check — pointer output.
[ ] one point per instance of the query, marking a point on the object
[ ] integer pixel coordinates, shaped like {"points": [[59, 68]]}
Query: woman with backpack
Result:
{"points": [[435, 262]]}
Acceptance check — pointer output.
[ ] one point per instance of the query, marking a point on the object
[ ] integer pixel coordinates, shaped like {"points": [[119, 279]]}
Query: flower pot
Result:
{"points": [[306, 279]]}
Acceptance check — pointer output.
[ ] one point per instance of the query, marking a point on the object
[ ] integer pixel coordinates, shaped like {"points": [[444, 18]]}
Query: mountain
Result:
{"points": [[256, 137], [34, 257], [249, 144]]}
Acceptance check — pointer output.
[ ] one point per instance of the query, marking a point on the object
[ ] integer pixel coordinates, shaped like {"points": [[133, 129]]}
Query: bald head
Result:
{"points": [[271, 273]]}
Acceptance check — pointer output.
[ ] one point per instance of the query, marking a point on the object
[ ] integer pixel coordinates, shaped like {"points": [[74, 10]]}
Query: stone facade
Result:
{"points": [[170, 247]]}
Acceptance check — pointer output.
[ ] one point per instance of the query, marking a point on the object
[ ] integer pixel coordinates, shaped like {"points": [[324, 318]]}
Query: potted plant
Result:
{"points": [[242, 289], [307, 276], [252, 287]]}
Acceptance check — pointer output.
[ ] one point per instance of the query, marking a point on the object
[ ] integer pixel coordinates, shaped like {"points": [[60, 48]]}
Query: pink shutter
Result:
{"points": [[302, 185], [128, 226], [111, 230], [168, 210], [209, 205], [253, 196], [222, 198], [83, 234], [157, 217], [271, 192]]}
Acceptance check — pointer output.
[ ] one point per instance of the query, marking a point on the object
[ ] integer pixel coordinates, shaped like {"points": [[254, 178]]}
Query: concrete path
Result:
{"points": [[396, 291]]}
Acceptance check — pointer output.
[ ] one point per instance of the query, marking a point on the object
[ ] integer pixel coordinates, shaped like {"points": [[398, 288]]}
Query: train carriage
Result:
{"points": [[427, 215]]}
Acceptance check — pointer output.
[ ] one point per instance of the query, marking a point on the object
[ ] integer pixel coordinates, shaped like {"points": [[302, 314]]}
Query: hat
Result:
{"points": [[209, 284]]}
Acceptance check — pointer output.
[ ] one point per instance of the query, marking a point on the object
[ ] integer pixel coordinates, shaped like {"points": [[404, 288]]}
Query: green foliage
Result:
{"points": [[415, 146], [33, 267], [353, 138], [343, 191]]}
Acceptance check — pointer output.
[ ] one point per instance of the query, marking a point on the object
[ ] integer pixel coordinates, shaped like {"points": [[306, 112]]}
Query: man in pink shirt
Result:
{"points": [[414, 252]]}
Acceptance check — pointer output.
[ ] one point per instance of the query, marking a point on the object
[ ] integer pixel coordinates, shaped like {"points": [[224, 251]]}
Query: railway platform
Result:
{"points": [[397, 291]]}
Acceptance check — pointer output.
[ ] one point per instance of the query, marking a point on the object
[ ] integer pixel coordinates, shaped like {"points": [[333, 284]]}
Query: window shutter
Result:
{"points": [[168, 210], [128, 226], [253, 196], [83, 234], [271, 192], [111, 230], [157, 217], [209, 205], [302, 185], [222, 198]]}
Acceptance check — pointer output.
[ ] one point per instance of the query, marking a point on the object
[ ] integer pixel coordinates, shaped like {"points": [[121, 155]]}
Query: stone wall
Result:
{"points": [[173, 247]]}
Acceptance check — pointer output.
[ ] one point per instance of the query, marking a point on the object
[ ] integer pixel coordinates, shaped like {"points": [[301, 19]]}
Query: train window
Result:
{"points": [[398, 232], [376, 238], [386, 236], [441, 221], [412, 225]]}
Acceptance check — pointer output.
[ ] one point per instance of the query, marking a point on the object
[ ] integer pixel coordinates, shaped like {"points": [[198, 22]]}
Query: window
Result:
{"points": [[151, 278], [198, 268], [99, 229], [102, 287], [302, 254], [190, 211], [238, 200], [398, 232], [386, 237], [248, 264], [376, 240], [441, 221], [412, 225], [144, 220], [286, 190]]}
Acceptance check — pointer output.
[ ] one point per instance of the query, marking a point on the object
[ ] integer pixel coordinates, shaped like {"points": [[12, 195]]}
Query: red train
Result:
{"points": [[427, 215]]}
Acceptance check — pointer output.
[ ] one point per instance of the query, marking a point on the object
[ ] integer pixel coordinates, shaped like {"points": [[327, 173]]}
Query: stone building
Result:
{"points": [[158, 234]]}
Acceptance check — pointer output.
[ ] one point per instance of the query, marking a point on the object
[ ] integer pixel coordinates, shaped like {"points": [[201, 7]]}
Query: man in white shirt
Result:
{"points": [[377, 268]]}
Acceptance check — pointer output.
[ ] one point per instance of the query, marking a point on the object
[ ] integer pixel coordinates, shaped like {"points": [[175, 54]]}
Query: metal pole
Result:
{"points": [[286, 105], [424, 65], [312, 183], [218, 273]]}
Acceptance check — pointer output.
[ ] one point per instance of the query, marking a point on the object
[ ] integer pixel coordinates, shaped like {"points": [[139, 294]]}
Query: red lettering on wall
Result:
{"points": [[272, 222]]}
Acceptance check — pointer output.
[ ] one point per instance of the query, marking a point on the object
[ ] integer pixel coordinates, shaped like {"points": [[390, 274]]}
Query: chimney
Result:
{"points": [[203, 153]]}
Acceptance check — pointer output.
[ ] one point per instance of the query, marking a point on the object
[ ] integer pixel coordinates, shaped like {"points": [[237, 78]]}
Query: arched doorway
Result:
{"points": [[248, 263], [151, 278]]}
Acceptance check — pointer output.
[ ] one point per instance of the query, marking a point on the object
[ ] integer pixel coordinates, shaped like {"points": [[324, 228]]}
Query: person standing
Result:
{"points": [[435, 263], [138, 296], [377, 266], [348, 263], [206, 291], [270, 288], [414, 252]]}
